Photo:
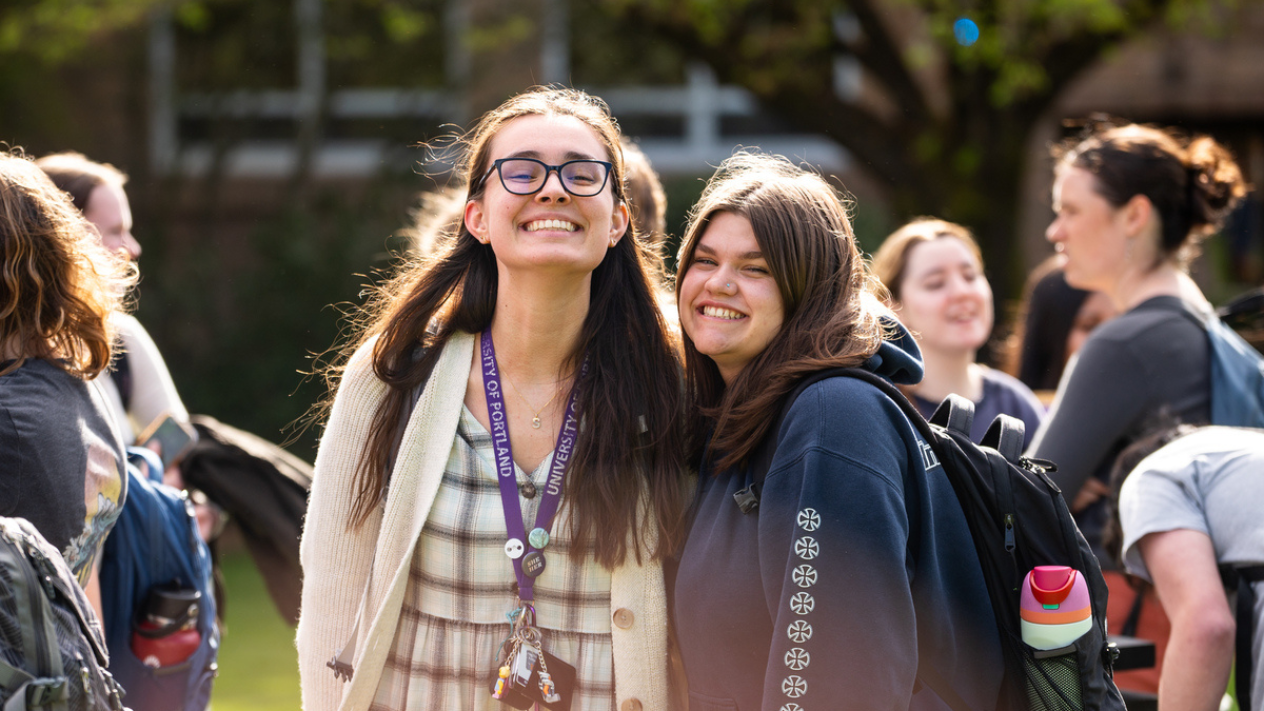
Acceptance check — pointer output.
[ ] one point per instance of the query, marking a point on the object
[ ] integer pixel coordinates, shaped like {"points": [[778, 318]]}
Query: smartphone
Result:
{"points": [[175, 437]]}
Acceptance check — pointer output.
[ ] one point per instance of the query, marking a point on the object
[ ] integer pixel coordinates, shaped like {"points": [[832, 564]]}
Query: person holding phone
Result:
{"points": [[500, 479], [62, 453]]}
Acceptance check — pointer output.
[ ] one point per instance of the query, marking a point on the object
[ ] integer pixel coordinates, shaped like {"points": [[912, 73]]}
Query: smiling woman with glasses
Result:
{"points": [[501, 475]]}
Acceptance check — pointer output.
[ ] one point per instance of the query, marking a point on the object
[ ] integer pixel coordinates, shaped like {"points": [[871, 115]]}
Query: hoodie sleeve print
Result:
{"points": [[833, 548]]}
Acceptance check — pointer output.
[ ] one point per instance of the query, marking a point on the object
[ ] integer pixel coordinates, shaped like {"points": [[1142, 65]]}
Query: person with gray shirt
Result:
{"points": [[1132, 204], [1187, 509]]}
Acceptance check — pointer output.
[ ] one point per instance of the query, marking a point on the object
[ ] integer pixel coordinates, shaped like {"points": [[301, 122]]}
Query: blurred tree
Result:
{"points": [[936, 99]]}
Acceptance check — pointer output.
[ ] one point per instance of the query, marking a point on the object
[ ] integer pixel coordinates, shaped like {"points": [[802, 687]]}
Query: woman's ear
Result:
{"points": [[1137, 213], [476, 220], [619, 222]]}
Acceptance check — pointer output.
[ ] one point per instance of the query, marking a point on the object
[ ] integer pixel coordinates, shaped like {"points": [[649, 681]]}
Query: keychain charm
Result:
{"points": [[502, 683]]}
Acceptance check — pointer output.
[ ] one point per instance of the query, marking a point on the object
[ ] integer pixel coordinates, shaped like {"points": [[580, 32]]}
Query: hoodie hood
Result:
{"points": [[898, 358]]}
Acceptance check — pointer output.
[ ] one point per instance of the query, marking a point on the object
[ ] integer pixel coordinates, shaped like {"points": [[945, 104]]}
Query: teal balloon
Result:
{"points": [[966, 31]]}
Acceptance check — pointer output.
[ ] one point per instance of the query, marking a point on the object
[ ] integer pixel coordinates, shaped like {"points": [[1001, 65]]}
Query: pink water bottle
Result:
{"points": [[1055, 607]]}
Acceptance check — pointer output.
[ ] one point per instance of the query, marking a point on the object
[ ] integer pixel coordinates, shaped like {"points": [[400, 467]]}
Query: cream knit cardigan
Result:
{"points": [[337, 561]]}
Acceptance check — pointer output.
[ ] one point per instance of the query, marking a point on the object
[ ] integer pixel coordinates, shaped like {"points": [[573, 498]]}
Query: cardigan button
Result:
{"points": [[631, 705], [623, 619]]}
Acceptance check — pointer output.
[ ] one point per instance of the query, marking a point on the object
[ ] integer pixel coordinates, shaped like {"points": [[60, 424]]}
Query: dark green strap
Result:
{"points": [[32, 603], [30, 692], [11, 677]]}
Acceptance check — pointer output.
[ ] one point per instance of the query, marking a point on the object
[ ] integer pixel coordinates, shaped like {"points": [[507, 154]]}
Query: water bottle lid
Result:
{"points": [[1050, 584], [172, 602]]}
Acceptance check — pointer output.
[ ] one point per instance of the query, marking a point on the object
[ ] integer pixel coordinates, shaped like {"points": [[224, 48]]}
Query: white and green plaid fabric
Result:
{"points": [[461, 586]]}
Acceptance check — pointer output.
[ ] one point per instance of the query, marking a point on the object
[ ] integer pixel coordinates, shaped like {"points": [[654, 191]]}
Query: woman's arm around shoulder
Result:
{"points": [[834, 533], [336, 558]]}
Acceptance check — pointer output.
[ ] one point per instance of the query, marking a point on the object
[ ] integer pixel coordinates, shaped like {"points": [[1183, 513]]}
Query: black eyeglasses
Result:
{"points": [[526, 176]]}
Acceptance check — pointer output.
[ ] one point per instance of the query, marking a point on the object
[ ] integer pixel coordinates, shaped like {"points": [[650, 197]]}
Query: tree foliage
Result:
{"points": [[943, 124]]}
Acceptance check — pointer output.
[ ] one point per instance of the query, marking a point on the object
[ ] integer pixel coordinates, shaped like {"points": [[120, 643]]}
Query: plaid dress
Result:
{"points": [[444, 654]]}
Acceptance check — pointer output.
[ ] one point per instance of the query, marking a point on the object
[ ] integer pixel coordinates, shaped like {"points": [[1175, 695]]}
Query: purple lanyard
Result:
{"points": [[508, 479]]}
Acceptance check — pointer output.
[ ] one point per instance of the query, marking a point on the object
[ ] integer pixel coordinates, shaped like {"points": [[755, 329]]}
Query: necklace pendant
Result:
{"points": [[535, 422]]}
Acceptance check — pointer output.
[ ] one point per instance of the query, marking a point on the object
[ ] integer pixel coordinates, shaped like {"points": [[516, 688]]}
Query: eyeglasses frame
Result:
{"points": [[495, 168]]}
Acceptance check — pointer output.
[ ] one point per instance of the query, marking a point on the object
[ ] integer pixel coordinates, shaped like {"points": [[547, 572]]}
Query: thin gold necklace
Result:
{"points": [[535, 420]]}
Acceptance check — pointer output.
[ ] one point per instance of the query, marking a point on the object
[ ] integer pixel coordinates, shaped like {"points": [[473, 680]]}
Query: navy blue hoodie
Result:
{"points": [[857, 565]]}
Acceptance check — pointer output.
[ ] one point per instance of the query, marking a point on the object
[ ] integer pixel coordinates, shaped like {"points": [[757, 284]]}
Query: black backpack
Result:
{"points": [[52, 653], [1018, 520]]}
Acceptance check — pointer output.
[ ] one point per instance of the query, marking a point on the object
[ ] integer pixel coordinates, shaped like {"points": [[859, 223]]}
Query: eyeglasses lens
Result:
{"points": [[582, 178]]}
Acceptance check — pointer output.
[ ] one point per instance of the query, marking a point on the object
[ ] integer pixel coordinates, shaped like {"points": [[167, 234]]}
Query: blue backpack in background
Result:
{"points": [[154, 545], [1237, 375]]}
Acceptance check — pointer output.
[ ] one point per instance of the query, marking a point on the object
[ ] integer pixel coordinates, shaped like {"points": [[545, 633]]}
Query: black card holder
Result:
{"points": [[563, 676]]}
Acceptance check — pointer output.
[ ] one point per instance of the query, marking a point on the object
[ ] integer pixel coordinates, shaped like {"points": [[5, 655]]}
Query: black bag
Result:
{"points": [[264, 489], [52, 652], [1018, 520]]}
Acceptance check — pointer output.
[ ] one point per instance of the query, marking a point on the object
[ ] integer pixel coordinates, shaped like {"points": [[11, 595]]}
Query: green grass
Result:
{"points": [[258, 666]]}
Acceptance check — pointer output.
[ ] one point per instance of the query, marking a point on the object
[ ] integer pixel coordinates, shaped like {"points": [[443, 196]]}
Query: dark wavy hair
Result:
{"points": [[832, 303], [630, 400], [59, 285], [1192, 182]]}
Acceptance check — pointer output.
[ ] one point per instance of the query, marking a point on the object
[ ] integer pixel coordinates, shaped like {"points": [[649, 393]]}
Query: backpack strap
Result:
{"points": [[29, 692], [955, 413], [1005, 435], [121, 371], [1245, 633]]}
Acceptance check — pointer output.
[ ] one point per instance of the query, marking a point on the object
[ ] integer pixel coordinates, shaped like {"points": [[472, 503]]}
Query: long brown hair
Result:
{"points": [[630, 399], [832, 304], [59, 286]]}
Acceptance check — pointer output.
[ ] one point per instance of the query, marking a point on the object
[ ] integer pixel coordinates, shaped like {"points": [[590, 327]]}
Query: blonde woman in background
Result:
{"points": [[933, 270]]}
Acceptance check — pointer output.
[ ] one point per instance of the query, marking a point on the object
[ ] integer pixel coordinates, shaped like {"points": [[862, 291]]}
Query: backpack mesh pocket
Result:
{"points": [[1053, 680]]}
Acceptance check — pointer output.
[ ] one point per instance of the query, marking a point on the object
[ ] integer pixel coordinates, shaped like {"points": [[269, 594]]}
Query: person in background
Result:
{"points": [[1053, 322], [847, 579], [1132, 204], [64, 467], [461, 410], [646, 200], [933, 270], [1188, 504], [648, 205], [140, 387]]}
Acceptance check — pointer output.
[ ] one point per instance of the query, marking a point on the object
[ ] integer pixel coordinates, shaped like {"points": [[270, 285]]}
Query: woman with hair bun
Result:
{"points": [[500, 478], [1132, 204], [63, 462]]}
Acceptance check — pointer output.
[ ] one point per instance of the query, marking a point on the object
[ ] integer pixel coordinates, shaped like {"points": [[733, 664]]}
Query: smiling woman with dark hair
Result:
{"points": [[503, 441], [841, 572]]}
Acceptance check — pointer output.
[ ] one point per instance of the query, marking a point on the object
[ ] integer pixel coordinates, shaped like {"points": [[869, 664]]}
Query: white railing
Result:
{"points": [[701, 104]]}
